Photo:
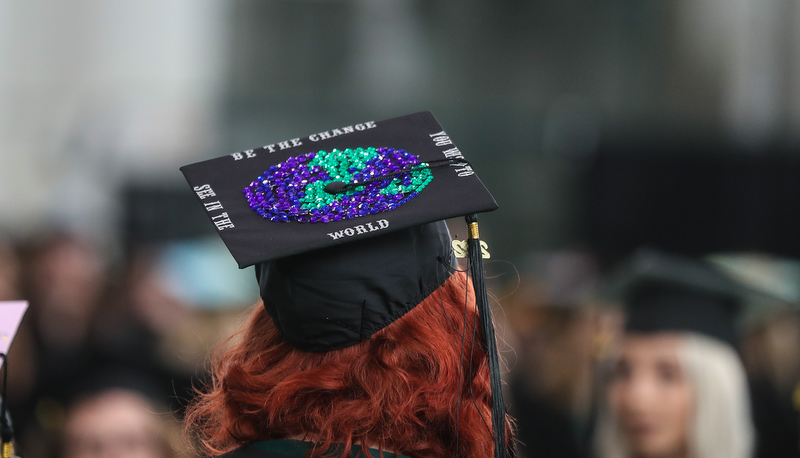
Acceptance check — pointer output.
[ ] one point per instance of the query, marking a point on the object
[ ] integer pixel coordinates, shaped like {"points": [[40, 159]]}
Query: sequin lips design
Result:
{"points": [[330, 186]]}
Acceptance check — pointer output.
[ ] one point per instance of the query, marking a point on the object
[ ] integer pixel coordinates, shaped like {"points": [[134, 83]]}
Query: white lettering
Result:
{"points": [[222, 221], [204, 191], [244, 154], [465, 171], [286, 144], [224, 224], [359, 229], [453, 153], [341, 131], [211, 206], [336, 235], [442, 141]]}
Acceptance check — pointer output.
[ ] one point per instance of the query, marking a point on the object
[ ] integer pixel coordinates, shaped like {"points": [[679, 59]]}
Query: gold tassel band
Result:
{"points": [[473, 230]]}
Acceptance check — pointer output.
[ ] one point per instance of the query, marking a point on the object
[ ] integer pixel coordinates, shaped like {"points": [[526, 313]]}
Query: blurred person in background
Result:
{"points": [[770, 347], [10, 275], [771, 353], [679, 388], [121, 419], [558, 334], [86, 317], [64, 279], [141, 328]]}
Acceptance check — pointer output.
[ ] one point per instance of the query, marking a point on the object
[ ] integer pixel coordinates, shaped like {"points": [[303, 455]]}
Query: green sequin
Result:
{"points": [[345, 166]]}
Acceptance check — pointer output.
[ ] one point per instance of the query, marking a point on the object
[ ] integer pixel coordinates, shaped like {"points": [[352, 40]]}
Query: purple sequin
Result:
{"points": [[294, 189]]}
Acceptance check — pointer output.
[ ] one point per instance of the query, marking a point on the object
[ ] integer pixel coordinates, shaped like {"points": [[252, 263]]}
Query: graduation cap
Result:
{"points": [[771, 279], [346, 228], [663, 292]]}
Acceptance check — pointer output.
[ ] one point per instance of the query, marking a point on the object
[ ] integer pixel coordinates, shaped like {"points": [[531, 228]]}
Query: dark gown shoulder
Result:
{"points": [[251, 451], [287, 448]]}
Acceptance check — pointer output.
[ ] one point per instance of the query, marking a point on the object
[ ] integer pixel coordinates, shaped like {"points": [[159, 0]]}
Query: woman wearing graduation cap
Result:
{"points": [[679, 388], [368, 339]]}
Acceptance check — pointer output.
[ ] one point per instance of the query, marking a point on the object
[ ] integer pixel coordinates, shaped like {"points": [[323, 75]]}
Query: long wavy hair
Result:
{"points": [[419, 387], [721, 426]]}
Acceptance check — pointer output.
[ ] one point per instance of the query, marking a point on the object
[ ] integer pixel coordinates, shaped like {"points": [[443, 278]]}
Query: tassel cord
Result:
{"points": [[481, 297]]}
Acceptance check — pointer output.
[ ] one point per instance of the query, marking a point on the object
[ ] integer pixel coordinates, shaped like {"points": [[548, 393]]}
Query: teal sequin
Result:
{"points": [[296, 188]]}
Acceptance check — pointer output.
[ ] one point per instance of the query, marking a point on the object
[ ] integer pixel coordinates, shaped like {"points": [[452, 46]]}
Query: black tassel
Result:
{"points": [[482, 300]]}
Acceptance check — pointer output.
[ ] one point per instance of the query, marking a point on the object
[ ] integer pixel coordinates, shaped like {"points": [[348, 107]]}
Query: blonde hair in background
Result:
{"points": [[722, 426], [721, 423]]}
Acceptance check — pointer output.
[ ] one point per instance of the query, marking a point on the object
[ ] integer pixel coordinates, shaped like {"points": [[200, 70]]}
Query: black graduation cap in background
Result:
{"points": [[346, 228], [665, 292]]}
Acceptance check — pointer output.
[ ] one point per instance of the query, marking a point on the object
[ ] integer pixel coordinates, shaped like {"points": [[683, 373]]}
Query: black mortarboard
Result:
{"points": [[664, 292], [294, 174], [345, 228]]}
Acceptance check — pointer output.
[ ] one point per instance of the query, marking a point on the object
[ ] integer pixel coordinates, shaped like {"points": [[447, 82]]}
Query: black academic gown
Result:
{"points": [[250, 451]]}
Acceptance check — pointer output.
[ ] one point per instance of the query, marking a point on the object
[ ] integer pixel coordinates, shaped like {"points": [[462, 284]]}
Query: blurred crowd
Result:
{"points": [[583, 383], [601, 124], [107, 355]]}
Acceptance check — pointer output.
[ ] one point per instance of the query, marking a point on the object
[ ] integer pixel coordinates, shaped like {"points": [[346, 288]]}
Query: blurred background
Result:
{"points": [[599, 127]]}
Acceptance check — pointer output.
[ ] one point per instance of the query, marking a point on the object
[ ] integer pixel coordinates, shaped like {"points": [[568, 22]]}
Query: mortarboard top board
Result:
{"points": [[219, 184], [771, 281], [663, 292], [346, 228]]}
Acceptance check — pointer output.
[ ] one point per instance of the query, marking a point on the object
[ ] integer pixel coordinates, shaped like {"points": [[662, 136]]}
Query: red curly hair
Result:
{"points": [[416, 387]]}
